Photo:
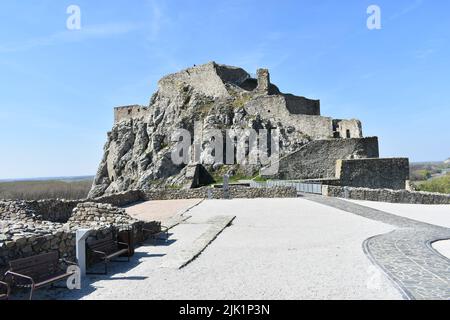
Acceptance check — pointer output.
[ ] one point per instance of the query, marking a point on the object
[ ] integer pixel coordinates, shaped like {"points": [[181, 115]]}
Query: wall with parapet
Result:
{"points": [[133, 112], [347, 128], [302, 105], [317, 159], [317, 127], [276, 107], [390, 173], [217, 193]]}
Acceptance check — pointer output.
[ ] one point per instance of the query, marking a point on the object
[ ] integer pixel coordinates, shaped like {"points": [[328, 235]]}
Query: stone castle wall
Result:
{"points": [[218, 193], [347, 128], [391, 173], [302, 105], [317, 159], [279, 107], [133, 112], [386, 195]]}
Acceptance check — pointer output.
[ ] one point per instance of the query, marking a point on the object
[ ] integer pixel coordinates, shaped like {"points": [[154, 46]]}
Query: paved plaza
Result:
{"points": [[309, 247]]}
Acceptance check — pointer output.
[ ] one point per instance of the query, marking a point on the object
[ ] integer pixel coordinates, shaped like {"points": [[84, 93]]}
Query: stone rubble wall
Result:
{"points": [[16, 210], [120, 199], [27, 239], [33, 227], [386, 195], [90, 214], [218, 193], [54, 210]]}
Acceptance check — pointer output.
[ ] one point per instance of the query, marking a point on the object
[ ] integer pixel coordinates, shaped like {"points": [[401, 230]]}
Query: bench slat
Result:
{"points": [[55, 278], [39, 267]]}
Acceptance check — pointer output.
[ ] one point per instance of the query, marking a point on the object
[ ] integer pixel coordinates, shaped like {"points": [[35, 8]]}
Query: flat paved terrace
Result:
{"points": [[273, 249], [161, 210]]}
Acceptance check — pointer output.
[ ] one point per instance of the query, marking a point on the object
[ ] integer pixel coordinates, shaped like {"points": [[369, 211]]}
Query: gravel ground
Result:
{"points": [[433, 214], [275, 249], [160, 210], [443, 247]]}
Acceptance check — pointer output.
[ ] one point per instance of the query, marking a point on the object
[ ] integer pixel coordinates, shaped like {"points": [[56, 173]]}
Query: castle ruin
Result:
{"points": [[313, 147]]}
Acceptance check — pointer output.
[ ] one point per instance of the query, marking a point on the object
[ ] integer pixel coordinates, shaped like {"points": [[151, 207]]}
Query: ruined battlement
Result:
{"points": [[135, 112]]}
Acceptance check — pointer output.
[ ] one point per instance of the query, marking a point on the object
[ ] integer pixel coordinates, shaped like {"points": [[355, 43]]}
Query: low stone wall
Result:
{"points": [[216, 193], [25, 232], [54, 210], [16, 210], [386, 195], [121, 199], [22, 240], [90, 214], [59, 210]]}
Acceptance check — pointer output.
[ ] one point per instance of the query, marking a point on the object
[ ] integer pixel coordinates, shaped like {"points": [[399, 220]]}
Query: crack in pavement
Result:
{"points": [[186, 255], [405, 254]]}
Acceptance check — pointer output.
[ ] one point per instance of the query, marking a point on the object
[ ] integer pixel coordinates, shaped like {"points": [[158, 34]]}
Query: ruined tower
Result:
{"points": [[263, 81]]}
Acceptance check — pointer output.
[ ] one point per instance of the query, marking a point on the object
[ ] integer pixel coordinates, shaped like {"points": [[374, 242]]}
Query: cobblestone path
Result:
{"points": [[404, 254]]}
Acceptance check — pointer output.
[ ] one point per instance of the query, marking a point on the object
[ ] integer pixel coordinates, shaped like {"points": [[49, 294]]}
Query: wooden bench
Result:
{"points": [[37, 271], [4, 290], [108, 249]]}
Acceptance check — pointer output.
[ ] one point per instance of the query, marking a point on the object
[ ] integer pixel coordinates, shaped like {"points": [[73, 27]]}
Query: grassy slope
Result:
{"points": [[440, 184]]}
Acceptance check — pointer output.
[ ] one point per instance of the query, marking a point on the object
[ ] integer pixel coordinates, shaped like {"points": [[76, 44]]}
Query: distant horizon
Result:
{"points": [[46, 178], [76, 177]]}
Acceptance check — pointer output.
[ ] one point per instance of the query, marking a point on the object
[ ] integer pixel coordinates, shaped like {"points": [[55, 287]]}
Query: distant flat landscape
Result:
{"points": [[70, 187], [433, 176], [68, 178]]}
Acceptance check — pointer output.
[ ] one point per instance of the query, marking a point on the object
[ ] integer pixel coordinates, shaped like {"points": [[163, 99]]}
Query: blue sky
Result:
{"points": [[59, 87]]}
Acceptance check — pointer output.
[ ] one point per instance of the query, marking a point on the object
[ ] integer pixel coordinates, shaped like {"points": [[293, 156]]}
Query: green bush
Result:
{"points": [[441, 185], [420, 175]]}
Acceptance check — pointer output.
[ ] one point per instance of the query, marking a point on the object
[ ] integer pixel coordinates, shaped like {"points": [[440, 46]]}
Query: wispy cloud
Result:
{"points": [[158, 19], [415, 5], [430, 48], [423, 54], [67, 36]]}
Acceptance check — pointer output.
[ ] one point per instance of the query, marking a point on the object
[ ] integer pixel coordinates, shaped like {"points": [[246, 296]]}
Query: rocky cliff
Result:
{"points": [[137, 154]]}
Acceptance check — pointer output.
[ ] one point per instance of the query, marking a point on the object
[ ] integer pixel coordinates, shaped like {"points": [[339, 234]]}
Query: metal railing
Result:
{"points": [[306, 187]]}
